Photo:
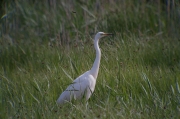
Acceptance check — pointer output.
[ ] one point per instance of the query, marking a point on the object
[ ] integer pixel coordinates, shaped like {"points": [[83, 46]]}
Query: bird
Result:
{"points": [[84, 85]]}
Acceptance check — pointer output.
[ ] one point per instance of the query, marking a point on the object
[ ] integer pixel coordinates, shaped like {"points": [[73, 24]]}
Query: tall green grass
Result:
{"points": [[129, 85], [68, 21], [139, 72]]}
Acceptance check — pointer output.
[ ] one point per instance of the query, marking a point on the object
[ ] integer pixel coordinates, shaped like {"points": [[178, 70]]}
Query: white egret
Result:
{"points": [[84, 85]]}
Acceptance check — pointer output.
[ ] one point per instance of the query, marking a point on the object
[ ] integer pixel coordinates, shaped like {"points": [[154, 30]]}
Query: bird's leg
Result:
{"points": [[87, 105]]}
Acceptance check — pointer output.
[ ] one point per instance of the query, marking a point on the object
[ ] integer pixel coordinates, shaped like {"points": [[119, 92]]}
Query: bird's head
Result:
{"points": [[102, 34]]}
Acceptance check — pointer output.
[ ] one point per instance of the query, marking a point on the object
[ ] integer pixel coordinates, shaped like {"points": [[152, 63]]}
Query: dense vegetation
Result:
{"points": [[45, 45]]}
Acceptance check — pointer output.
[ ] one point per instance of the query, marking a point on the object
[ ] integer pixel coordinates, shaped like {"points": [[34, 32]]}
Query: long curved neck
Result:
{"points": [[95, 68]]}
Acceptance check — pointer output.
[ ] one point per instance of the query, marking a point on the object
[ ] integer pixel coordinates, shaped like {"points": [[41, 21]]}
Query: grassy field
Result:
{"points": [[139, 72]]}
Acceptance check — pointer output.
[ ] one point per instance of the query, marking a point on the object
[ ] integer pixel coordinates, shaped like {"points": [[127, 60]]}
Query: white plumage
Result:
{"points": [[84, 85]]}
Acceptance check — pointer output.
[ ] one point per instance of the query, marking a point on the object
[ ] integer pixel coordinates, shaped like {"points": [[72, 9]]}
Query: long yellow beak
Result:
{"points": [[107, 34]]}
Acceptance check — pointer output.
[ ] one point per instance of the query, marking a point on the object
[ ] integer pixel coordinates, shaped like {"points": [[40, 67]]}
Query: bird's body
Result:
{"points": [[84, 85]]}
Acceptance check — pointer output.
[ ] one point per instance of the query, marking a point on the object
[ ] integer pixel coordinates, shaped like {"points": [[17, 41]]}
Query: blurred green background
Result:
{"points": [[45, 45]]}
